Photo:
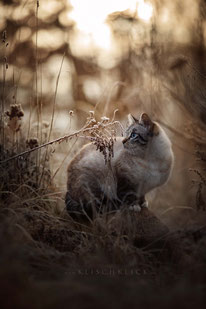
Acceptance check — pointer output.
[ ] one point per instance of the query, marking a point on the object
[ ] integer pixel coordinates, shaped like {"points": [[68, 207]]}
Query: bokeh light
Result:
{"points": [[144, 10], [90, 17]]}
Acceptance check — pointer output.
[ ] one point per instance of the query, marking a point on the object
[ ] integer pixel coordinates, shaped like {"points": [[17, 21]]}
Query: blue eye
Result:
{"points": [[133, 135]]}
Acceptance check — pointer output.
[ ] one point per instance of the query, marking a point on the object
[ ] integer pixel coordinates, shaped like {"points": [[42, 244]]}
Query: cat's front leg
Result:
{"points": [[145, 204], [141, 203], [135, 208]]}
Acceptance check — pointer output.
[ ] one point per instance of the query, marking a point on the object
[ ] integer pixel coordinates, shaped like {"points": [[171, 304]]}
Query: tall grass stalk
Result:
{"points": [[52, 117], [4, 69], [55, 96], [36, 85]]}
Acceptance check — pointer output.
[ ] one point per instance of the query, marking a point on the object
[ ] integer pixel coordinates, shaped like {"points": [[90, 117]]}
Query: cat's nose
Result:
{"points": [[125, 140]]}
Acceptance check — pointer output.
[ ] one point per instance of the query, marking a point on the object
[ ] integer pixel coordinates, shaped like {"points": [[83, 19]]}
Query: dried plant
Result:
{"points": [[102, 133], [15, 115], [19, 165], [200, 182], [25, 171]]}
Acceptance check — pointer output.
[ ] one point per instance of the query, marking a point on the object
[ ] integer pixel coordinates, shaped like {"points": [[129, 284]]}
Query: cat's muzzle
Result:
{"points": [[125, 140]]}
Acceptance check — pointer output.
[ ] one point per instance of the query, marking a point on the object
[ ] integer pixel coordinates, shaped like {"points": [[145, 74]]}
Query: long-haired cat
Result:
{"points": [[142, 161]]}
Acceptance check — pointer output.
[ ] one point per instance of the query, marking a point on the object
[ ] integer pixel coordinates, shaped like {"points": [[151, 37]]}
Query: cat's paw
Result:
{"points": [[145, 204], [138, 208], [135, 208]]}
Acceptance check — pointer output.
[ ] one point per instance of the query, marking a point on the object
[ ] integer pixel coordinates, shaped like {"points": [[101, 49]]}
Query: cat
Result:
{"points": [[142, 161]]}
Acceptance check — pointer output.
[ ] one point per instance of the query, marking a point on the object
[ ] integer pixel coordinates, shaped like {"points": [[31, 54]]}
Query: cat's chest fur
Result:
{"points": [[142, 174]]}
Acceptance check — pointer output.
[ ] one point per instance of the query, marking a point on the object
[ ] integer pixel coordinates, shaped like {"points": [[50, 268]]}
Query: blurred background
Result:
{"points": [[130, 55]]}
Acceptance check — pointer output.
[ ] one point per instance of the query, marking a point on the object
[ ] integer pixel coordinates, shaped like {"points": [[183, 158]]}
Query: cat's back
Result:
{"points": [[88, 172], [91, 158]]}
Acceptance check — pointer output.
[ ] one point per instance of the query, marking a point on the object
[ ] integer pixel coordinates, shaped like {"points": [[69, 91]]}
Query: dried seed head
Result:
{"points": [[91, 114], [15, 111], [15, 114], [91, 121], [104, 119], [32, 143]]}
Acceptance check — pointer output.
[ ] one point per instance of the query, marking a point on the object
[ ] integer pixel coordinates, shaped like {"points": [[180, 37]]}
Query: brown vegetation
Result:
{"points": [[153, 258]]}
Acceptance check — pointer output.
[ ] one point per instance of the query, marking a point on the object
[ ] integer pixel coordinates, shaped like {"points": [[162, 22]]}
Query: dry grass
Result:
{"points": [[45, 250], [124, 260]]}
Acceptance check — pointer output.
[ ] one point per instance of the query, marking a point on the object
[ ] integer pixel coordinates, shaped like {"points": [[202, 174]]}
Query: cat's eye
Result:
{"points": [[134, 135]]}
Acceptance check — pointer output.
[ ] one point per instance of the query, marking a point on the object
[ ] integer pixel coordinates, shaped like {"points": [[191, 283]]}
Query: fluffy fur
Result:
{"points": [[142, 161]]}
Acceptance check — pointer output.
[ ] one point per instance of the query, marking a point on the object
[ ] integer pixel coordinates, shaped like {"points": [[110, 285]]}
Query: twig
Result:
{"points": [[55, 96], [61, 139], [53, 111]]}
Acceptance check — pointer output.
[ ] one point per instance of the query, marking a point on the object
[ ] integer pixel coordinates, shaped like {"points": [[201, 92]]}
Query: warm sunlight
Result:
{"points": [[90, 17], [144, 10]]}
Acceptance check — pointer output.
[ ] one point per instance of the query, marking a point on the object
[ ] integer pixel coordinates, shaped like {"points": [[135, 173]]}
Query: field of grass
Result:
{"points": [[49, 261], [148, 259]]}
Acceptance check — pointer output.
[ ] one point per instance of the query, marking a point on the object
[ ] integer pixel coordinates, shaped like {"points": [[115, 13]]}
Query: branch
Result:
{"points": [[63, 138]]}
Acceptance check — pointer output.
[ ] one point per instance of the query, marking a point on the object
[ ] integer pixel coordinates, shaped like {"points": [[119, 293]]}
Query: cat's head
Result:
{"points": [[139, 133]]}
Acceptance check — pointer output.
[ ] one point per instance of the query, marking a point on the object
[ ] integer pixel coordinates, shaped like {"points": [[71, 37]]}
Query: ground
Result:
{"points": [[127, 259]]}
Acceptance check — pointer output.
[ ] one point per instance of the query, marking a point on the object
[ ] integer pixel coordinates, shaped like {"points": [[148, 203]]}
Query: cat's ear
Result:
{"points": [[149, 124], [132, 120], [145, 120]]}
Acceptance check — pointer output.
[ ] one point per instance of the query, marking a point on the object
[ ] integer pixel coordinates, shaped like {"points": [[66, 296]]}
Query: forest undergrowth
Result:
{"points": [[48, 260], [44, 249]]}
